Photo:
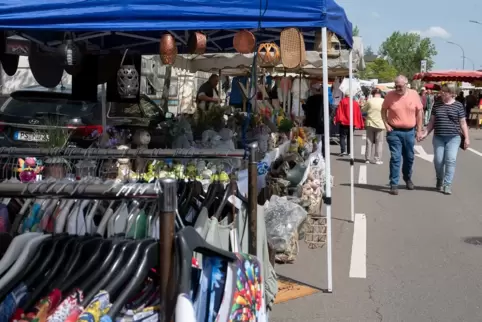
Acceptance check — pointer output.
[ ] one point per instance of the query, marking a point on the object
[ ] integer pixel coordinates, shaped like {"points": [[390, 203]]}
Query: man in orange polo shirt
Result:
{"points": [[402, 113]]}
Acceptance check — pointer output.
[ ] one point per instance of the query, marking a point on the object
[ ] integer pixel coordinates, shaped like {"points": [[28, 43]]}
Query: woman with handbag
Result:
{"points": [[450, 132]]}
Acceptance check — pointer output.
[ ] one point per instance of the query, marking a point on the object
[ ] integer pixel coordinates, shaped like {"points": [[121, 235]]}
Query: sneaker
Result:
{"points": [[410, 185], [394, 190], [367, 161], [342, 154], [379, 162], [440, 185], [447, 190]]}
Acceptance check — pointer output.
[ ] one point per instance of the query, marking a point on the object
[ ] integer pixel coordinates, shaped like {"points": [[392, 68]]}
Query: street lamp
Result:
{"points": [[470, 60], [463, 53]]}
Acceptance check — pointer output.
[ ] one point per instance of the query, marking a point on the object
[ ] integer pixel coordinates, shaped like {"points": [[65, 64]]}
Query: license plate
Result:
{"points": [[31, 137]]}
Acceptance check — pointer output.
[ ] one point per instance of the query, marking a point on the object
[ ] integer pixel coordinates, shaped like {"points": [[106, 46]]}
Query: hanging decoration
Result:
{"points": [[127, 80], [168, 49], [7, 58], [197, 43], [244, 42], [333, 43], [293, 51], [70, 53], [269, 54]]}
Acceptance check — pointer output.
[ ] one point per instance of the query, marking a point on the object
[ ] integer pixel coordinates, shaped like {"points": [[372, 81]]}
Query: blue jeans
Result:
{"points": [[401, 143], [445, 149]]}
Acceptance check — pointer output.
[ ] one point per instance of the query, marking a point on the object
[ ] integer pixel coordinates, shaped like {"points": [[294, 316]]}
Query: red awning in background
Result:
{"points": [[450, 76], [432, 86]]}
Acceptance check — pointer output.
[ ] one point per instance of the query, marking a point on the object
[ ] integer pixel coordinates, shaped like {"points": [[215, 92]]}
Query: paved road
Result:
{"points": [[418, 266]]}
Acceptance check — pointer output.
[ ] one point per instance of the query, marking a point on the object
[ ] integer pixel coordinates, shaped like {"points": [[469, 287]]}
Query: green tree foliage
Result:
{"points": [[356, 31], [405, 51], [369, 51], [379, 69]]}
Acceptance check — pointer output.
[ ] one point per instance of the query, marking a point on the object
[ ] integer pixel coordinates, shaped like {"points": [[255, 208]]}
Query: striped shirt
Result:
{"points": [[447, 118]]}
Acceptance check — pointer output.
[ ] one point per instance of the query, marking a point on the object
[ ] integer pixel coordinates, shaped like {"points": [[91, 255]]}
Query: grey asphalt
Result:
{"points": [[419, 266]]}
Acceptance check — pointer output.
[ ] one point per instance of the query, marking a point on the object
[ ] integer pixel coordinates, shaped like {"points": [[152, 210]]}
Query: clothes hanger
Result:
{"points": [[39, 266], [14, 250], [118, 264], [188, 241], [113, 253], [22, 261], [39, 289], [41, 252], [149, 259], [231, 189], [90, 265], [79, 254], [120, 280]]}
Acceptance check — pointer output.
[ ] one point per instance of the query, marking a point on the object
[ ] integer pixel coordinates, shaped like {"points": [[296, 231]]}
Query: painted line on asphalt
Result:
{"points": [[420, 152], [364, 136], [358, 262], [363, 149], [362, 174], [475, 151]]}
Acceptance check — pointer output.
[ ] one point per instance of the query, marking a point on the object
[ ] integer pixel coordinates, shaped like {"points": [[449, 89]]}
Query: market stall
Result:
{"points": [[79, 28]]}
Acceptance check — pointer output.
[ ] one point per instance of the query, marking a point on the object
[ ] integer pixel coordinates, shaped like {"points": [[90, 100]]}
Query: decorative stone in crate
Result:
{"points": [[315, 231]]}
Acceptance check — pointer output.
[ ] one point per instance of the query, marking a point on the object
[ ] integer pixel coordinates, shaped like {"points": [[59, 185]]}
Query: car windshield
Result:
{"points": [[31, 107]]}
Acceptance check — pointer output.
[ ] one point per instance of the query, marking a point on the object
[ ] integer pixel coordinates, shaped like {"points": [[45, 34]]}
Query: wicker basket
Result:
{"points": [[293, 51], [244, 42]]}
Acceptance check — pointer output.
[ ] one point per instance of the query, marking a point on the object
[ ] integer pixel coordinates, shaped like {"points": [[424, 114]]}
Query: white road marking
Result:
{"points": [[358, 262], [420, 152], [364, 136], [363, 149], [362, 174], [475, 151]]}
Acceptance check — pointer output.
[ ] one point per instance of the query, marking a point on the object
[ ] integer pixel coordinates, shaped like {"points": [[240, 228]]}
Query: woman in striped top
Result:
{"points": [[450, 133]]}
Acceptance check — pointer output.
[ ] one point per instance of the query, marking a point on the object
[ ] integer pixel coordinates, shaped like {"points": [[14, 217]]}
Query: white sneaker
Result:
{"points": [[367, 161], [379, 162]]}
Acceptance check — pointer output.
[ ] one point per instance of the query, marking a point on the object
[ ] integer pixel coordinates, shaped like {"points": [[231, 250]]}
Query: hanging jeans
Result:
{"points": [[345, 138], [445, 149], [401, 143], [374, 140]]}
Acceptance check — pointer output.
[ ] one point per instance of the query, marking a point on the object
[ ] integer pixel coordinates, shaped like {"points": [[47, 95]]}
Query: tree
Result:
{"points": [[369, 51], [405, 51], [379, 69], [356, 31]]}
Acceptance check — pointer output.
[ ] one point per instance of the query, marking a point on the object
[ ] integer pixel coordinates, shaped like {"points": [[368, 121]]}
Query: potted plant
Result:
{"points": [[57, 137]]}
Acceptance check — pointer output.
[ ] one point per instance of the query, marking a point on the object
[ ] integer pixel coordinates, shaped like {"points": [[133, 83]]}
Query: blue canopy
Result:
{"points": [[143, 19]]}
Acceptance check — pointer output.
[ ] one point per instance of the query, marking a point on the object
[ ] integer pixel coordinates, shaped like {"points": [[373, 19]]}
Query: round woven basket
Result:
{"points": [[46, 68], [9, 63], [244, 42], [293, 51]]}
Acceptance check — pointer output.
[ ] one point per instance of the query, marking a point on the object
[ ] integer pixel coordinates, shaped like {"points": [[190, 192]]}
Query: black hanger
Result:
{"points": [[89, 256], [114, 251], [188, 241], [149, 259], [40, 256], [125, 253], [120, 280], [39, 290], [231, 189]]}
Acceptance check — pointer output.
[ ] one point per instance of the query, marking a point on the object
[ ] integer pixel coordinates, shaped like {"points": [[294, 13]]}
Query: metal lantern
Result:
{"points": [[127, 81], [70, 52]]}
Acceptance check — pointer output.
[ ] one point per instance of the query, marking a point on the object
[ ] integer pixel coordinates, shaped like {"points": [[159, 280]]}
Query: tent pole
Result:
{"points": [[352, 152], [104, 108], [326, 143]]}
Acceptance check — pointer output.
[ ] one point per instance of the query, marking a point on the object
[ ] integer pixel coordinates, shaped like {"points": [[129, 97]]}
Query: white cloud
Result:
{"points": [[433, 32], [375, 14]]}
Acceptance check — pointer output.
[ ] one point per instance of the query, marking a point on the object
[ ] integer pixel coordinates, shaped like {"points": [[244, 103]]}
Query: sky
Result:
{"points": [[440, 20]]}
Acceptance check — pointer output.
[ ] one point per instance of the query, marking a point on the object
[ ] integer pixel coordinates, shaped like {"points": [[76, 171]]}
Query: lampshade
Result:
{"points": [[70, 53], [128, 81]]}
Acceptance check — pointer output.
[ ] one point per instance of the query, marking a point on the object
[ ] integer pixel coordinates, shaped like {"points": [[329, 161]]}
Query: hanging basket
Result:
{"points": [[269, 54], [197, 43], [9, 64], [127, 80], [244, 42], [293, 51], [168, 49]]}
